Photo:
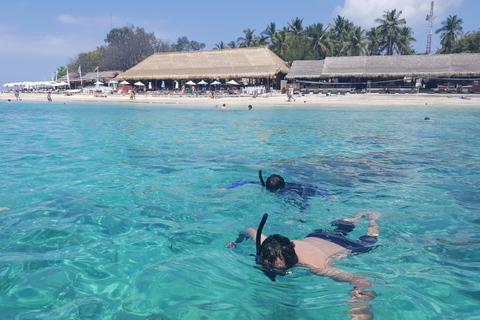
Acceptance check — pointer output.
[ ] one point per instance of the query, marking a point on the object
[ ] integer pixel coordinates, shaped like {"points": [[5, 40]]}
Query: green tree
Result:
{"points": [[469, 43], [390, 29], [405, 38], [356, 43], [270, 31], [132, 44], [248, 40], [232, 45], [341, 29], [374, 39], [280, 42], [320, 40], [183, 44], [296, 26], [449, 32], [220, 46]]}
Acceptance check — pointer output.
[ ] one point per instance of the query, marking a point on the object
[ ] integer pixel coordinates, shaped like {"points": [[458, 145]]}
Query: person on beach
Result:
{"points": [[290, 94], [49, 97], [17, 95], [250, 107], [317, 251], [223, 106]]}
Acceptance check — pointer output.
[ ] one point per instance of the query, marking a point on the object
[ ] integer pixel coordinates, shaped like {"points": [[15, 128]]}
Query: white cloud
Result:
{"points": [[364, 12]]}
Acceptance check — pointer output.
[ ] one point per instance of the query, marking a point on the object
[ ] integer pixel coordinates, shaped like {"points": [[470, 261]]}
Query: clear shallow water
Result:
{"points": [[116, 211]]}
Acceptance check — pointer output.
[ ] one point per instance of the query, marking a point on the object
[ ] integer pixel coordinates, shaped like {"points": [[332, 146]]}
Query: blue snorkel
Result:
{"points": [[270, 273]]}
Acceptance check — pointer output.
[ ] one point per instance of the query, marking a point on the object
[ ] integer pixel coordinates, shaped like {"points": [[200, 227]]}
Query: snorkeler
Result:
{"points": [[276, 254], [276, 183]]}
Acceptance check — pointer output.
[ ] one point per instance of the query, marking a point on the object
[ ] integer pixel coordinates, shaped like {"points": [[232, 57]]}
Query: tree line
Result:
{"points": [[125, 47]]}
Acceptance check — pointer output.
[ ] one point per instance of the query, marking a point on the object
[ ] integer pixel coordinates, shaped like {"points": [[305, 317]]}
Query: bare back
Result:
{"points": [[316, 253]]}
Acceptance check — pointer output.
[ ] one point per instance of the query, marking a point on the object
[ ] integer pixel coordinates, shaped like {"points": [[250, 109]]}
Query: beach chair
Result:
{"points": [[334, 91], [324, 91], [315, 91], [401, 91]]}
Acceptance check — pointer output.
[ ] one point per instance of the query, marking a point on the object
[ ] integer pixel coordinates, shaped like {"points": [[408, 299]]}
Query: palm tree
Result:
{"points": [[341, 28], [296, 26], [320, 40], [450, 31], [374, 41], [232, 45], [355, 43], [248, 40], [220, 46], [404, 41], [390, 28], [270, 31], [280, 42]]}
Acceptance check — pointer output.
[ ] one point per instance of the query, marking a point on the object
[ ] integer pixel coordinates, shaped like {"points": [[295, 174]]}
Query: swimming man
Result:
{"points": [[317, 252]]}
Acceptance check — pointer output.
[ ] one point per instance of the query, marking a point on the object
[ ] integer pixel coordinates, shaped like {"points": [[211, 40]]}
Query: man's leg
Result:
{"points": [[346, 225]]}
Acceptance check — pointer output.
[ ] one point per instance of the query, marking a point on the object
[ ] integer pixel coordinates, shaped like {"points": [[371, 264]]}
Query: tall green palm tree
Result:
{"points": [[246, 41], [296, 26], [390, 28], [405, 37], [341, 29], [355, 43], [280, 42], [450, 31], [270, 31], [232, 45], [220, 46], [320, 40], [374, 39]]}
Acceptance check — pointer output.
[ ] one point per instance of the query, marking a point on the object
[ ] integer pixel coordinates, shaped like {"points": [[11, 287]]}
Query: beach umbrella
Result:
{"points": [[113, 81], [190, 83], [97, 83], [163, 84], [149, 85], [232, 82], [203, 82], [138, 83], [214, 83], [124, 82]]}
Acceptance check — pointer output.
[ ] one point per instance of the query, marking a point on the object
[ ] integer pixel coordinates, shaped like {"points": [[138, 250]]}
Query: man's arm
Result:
{"points": [[358, 282], [249, 233], [361, 308]]}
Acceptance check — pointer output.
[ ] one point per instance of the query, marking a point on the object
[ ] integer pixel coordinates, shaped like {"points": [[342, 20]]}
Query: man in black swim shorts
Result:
{"points": [[318, 251]]}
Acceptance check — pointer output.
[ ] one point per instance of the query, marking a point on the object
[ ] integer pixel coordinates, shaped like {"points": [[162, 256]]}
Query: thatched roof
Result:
{"points": [[440, 65], [258, 62]]}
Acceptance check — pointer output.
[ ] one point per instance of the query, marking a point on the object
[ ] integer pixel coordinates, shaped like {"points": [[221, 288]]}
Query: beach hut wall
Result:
{"points": [[442, 65], [257, 62]]}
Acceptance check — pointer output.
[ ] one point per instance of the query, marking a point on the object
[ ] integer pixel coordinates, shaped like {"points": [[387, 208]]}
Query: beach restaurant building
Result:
{"points": [[246, 67], [402, 72]]}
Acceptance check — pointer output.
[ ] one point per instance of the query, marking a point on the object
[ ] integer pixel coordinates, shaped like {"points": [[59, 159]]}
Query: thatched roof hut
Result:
{"points": [[423, 66], [258, 62]]}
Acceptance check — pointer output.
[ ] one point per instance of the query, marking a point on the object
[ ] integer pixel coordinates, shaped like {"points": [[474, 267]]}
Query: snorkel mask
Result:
{"points": [[271, 273]]}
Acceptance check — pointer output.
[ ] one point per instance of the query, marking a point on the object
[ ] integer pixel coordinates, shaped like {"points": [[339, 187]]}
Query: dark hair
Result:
{"points": [[275, 182], [278, 246]]}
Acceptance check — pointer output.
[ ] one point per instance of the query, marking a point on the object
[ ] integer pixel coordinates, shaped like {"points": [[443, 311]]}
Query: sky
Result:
{"points": [[37, 37]]}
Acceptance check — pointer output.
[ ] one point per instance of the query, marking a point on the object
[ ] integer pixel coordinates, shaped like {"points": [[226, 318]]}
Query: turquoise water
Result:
{"points": [[117, 211]]}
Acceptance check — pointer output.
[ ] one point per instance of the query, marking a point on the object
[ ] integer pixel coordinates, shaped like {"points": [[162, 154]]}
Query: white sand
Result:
{"points": [[313, 100]]}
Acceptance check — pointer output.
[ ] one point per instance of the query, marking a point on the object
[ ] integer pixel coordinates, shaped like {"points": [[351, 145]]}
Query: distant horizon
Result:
{"points": [[37, 39]]}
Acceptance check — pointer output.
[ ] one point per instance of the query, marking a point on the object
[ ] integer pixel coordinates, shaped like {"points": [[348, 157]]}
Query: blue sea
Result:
{"points": [[120, 211]]}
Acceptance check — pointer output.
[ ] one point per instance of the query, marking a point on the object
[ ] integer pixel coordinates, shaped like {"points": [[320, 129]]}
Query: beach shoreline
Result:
{"points": [[310, 100]]}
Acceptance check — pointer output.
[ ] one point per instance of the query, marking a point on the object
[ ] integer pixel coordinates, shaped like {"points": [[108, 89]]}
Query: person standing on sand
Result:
{"points": [[49, 97]]}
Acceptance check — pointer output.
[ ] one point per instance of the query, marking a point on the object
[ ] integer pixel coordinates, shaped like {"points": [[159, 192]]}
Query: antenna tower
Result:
{"points": [[430, 19]]}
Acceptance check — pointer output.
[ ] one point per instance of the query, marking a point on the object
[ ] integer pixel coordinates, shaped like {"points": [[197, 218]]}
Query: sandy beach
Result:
{"points": [[314, 100]]}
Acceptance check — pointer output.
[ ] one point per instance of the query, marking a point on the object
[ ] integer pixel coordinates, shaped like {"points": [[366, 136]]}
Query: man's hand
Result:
{"points": [[231, 244]]}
